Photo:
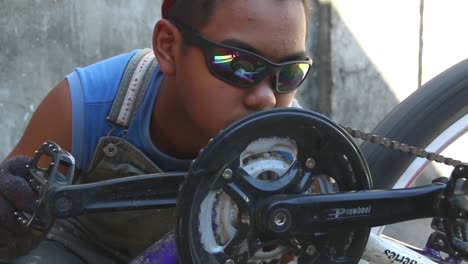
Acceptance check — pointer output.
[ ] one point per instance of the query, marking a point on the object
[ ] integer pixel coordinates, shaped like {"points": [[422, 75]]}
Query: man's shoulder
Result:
{"points": [[117, 61], [100, 81]]}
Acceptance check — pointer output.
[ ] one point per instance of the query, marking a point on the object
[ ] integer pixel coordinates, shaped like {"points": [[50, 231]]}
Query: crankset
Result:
{"points": [[223, 208]]}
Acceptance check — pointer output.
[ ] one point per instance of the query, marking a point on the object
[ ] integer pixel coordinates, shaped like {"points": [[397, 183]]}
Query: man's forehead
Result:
{"points": [[278, 36]]}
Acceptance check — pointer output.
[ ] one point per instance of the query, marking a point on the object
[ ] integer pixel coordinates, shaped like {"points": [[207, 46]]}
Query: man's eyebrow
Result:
{"points": [[242, 45]]}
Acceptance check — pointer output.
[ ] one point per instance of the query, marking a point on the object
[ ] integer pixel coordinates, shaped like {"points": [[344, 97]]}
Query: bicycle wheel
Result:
{"points": [[434, 118]]}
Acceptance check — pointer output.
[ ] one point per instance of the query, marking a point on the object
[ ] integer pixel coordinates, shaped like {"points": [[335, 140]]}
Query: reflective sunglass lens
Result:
{"points": [[236, 66], [291, 76]]}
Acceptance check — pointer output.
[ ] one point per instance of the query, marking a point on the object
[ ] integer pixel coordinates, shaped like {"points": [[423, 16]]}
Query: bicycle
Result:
{"points": [[294, 187]]}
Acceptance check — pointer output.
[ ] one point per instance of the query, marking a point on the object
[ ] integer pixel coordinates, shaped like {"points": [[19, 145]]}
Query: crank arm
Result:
{"points": [[282, 215], [130, 193]]}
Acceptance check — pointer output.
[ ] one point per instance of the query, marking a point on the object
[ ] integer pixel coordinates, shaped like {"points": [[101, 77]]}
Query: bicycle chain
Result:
{"points": [[395, 145]]}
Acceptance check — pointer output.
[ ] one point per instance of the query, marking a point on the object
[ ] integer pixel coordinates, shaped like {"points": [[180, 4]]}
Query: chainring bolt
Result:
{"points": [[311, 250], [280, 219], [63, 204], [229, 261], [245, 219], [440, 242], [227, 174], [310, 163]]}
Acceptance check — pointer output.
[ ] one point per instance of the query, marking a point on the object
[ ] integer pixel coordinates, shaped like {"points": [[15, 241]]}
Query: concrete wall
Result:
{"points": [[43, 40], [445, 38], [381, 51], [374, 58]]}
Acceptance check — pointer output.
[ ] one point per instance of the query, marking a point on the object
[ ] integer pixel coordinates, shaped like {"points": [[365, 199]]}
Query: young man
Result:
{"points": [[218, 61]]}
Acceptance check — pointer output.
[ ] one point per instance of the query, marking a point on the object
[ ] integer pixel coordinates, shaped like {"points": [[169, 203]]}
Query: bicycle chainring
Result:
{"points": [[279, 151]]}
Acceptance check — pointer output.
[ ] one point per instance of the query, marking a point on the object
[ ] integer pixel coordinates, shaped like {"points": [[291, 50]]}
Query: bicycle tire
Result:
{"points": [[418, 121]]}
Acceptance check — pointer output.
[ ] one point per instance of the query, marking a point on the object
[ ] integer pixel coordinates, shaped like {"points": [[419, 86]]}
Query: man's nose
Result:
{"points": [[261, 96]]}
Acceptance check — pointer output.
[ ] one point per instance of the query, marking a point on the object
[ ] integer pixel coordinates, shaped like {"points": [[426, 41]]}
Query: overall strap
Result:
{"points": [[132, 87]]}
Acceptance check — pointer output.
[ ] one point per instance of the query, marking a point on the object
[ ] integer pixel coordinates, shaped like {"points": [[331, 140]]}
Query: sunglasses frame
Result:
{"points": [[206, 46]]}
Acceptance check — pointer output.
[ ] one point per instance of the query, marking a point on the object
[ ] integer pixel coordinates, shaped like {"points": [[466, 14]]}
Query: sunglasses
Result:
{"points": [[243, 68]]}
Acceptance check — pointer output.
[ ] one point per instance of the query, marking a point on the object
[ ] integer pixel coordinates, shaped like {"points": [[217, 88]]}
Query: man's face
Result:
{"points": [[275, 30]]}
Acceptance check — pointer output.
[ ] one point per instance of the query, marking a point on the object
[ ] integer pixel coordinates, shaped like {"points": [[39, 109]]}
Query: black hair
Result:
{"points": [[197, 13]]}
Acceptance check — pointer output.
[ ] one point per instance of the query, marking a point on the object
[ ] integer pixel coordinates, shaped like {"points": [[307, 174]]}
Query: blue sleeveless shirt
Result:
{"points": [[92, 91]]}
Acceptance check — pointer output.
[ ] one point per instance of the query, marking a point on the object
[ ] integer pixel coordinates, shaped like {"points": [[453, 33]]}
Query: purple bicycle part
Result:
{"points": [[434, 255], [162, 252]]}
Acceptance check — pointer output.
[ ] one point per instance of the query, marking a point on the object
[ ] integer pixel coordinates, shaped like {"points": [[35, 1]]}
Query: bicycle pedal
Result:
{"points": [[42, 179]]}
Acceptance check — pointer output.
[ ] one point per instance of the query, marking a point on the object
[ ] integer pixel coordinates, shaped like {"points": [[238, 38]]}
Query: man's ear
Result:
{"points": [[166, 39]]}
